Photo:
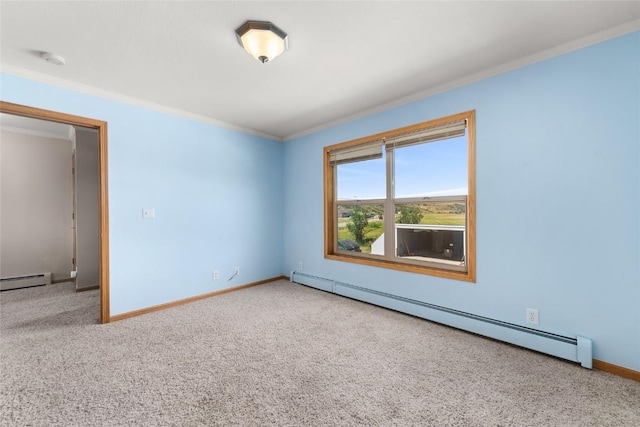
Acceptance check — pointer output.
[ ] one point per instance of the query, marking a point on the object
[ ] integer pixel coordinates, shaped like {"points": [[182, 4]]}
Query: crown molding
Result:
{"points": [[553, 52], [92, 90], [580, 43]]}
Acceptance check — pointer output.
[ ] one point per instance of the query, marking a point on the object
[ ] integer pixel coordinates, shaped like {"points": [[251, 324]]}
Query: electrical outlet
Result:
{"points": [[216, 275], [236, 270], [532, 316], [300, 266]]}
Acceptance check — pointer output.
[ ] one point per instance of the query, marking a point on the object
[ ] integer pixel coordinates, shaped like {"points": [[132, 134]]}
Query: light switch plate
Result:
{"points": [[148, 213]]}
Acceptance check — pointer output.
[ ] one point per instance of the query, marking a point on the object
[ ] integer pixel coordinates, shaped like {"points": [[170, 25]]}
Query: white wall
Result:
{"points": [[35, 205], [87, 209]]}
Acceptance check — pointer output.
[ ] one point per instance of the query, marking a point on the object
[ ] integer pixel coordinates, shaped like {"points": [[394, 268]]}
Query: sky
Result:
{"points": [[435, 167]]}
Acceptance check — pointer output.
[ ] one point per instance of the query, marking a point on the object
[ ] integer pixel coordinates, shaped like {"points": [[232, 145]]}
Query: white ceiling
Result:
{"points": [[345, 58]]}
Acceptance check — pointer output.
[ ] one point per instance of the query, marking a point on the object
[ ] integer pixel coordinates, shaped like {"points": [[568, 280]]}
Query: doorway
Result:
{"points": [[101, 128]]}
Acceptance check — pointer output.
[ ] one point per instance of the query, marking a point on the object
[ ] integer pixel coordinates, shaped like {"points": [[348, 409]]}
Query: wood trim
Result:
{"points": [[191, 299], [53, 116], [620, 371], [104, 225], [329, 202], [406, 129], [471, 197], [329, 192], [101, 127], [409, 268]]}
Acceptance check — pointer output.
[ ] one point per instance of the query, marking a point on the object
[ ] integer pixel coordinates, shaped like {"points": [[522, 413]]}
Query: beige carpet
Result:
{"points": [[280, 354]]}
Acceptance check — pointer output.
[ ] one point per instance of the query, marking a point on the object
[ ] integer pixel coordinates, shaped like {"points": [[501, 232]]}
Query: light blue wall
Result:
{"points": [[558, 198], [217, 195]]}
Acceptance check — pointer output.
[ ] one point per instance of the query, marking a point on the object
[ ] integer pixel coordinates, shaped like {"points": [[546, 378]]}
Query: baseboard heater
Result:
{"points": [[576, 349], [25, 281]]}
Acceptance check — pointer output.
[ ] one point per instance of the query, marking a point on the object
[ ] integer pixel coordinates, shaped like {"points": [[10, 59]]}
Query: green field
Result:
{"points": [[443, 218], [432, 214]]}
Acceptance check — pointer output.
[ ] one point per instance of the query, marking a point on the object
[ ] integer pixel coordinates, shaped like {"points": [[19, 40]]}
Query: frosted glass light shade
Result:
{"points": [[263, 40]]}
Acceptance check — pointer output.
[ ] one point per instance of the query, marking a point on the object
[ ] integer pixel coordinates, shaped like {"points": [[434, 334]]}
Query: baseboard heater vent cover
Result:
{"points": [[576, 349], [25, 281]]}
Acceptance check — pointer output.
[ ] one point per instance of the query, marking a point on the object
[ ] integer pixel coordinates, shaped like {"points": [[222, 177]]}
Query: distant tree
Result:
{"points": [[357, 224], [457, 208], [409, 215]]}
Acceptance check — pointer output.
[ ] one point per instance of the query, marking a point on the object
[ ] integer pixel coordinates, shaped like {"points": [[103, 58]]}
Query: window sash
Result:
{"points": [[447, 264], [389, 203], [372, 150], [434, 199], [352, 204], [390, 228], [409, 135], [356, 202]]}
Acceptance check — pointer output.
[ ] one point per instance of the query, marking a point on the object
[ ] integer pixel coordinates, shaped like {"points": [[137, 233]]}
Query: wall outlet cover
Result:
{"points": [[148, 213]]}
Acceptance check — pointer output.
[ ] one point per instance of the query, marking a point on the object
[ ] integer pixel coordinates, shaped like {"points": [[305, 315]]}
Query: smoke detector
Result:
{"points": [[53, 58]]}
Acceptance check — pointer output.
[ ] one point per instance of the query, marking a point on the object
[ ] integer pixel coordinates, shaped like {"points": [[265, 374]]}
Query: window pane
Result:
{"points": [[432, 231], [436, 168], [360, 228], [421, 187], [362, 180]]}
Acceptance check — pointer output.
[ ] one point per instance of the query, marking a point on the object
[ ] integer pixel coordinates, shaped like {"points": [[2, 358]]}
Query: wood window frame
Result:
{"points": [[330, 205]]}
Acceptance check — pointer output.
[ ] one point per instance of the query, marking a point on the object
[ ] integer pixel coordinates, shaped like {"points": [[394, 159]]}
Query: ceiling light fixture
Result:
{"points": [[263, 40], [53, 58]]}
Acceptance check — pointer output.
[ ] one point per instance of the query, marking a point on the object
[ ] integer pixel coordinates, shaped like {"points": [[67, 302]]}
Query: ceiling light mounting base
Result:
{"points": [[262, 39]]}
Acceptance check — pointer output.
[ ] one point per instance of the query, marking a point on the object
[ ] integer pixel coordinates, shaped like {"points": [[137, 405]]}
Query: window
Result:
{"points": [[405, 199]]}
